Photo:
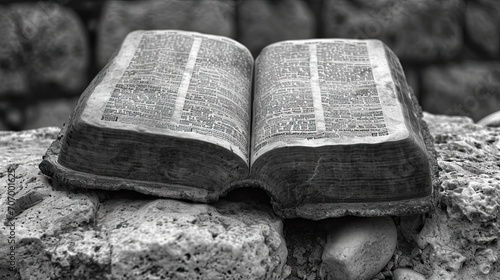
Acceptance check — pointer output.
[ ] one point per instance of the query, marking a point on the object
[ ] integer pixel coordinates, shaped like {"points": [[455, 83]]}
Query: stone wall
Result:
{"points": [[449, 49]]}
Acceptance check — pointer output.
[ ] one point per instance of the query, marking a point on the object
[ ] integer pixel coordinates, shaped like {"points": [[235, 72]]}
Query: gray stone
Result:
{"points": [[45, 47], [467, 89], [52, 112], [101, 235], [481, 20], [407, 274], [25, 146], [491, 120], [13, 78], [459, 239], [193, 241], [264, 22], [121, 17], [358, 248], [415, 30]]}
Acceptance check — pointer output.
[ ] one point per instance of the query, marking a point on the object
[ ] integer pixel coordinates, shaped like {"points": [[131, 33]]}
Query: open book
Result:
{"points": [[327, 127]]}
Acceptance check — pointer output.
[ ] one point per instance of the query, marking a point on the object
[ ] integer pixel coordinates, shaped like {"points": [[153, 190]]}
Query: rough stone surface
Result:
{"points": [[43, 46], [101, 235], [192, 241], [118, 18], [82, 234], [264, 22], [481, 22], [407, 274], [358, 248], [468, 89], [25, 147], [459, 240], [414, 30], [491, 120]]}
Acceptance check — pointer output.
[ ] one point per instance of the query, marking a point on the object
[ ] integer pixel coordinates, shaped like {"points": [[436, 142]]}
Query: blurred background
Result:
{"points": [[50, 50]]}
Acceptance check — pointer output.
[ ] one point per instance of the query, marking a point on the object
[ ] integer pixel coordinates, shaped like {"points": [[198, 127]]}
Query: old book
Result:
{"points": [[330, 128]]}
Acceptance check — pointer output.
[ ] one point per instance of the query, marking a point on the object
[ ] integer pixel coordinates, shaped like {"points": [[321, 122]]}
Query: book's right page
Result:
{"points": [[332, 120]]}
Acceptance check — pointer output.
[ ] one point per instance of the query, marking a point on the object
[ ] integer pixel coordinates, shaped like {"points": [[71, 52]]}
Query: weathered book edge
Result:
{"points": [[413, 206]]}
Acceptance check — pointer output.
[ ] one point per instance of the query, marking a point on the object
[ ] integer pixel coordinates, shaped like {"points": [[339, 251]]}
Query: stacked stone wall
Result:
{"points": [[51, 49]]}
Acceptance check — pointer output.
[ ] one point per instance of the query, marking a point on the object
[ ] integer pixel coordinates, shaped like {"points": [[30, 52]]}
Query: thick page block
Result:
{"points": [[169, 115], [335, 130]]}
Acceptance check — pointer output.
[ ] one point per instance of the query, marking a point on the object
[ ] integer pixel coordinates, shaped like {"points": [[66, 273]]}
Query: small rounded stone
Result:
{"points": [[358, 248], [407, 274]]}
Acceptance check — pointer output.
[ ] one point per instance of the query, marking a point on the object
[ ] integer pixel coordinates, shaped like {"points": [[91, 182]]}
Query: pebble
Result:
{"points": [[407, 274], [358, 248]]}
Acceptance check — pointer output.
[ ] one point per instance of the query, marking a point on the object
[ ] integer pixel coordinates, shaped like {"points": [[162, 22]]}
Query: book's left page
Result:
{"points": [[178, 83], [172, 107]]}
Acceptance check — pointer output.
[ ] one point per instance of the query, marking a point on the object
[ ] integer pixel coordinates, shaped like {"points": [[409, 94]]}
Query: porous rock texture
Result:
{"points": [[118, 18], [103, 235], [264, 22], [415, 30], [44, 45], [459, 240]]}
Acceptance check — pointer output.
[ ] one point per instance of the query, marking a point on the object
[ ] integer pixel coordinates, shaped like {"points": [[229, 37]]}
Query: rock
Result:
{"points": [[407, 274], [481, 21], [414, 30], [53, 112], [442, 124], [25, 146], [13, 78], [101, 235], [47, 48], [491, 120], [118, 18], [358, 248], [193, 241], [264, 22], [459, 239], [468, 89]]}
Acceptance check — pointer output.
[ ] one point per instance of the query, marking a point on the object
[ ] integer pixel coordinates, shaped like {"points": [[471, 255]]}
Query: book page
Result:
{"points": [[177, 83], [324, 92]]}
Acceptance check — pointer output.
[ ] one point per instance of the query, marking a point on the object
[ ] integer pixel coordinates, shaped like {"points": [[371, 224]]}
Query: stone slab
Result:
{"points": [[64, 234]]}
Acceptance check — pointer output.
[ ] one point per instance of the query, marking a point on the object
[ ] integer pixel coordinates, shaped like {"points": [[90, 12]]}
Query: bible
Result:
{"points": [[327, 127]]}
